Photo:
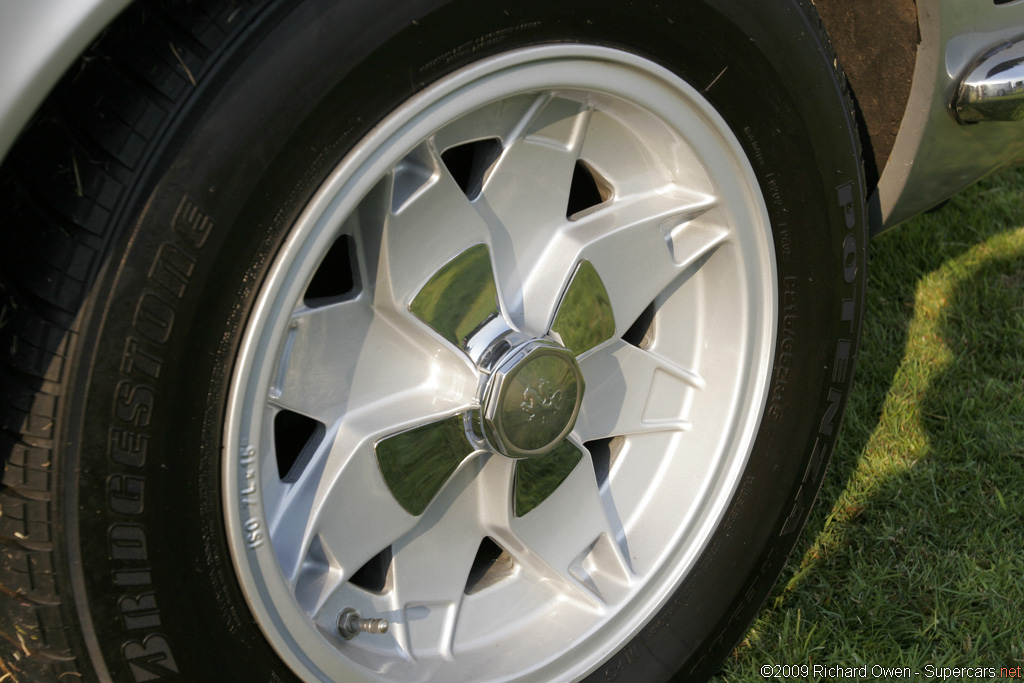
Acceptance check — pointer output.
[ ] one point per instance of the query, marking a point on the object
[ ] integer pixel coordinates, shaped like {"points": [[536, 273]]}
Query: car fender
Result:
{"points": [[38, 42], [935, 155]]}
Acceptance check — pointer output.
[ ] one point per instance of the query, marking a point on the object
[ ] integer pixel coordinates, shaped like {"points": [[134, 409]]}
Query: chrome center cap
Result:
{"points": [[532, 399]]}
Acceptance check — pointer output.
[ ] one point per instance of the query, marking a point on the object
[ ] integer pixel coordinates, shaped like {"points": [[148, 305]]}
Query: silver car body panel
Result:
{"points": [[934, 155], [39, 40]]}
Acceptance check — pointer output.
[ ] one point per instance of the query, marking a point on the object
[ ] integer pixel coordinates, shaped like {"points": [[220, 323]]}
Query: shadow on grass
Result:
{"points": [[912, 555]]}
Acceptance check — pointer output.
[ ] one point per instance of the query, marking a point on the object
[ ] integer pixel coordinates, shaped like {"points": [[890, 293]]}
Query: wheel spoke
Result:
{"points": [[355, 520], [430, 221], [630, 242], [632, 246], [504, 120], [341, 357], [312, 377], [563, 529], [633, 391], [611, 150], [339, 498], [432, 563], [524, 201]]}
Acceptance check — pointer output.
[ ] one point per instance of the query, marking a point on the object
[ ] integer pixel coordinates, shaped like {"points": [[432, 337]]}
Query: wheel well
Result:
{"points": [[876, 44], [875, 41]]}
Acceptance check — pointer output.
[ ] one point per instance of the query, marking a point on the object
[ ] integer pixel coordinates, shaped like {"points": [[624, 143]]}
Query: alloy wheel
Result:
{"points": [[503, 376]]}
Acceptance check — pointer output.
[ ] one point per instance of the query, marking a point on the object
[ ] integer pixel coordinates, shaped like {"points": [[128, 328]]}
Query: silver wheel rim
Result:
{"points": [[666, 422]]}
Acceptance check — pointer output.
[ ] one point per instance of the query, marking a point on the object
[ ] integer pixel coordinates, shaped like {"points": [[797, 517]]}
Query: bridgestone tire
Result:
{"points": [[154, 194]]}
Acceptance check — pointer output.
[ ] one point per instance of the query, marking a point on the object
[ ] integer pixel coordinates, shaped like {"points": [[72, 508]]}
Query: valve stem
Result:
{"points": [[350, 624]]}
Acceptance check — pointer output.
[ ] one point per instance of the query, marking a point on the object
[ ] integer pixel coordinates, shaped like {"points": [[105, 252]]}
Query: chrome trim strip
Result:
{"points": [[993, 87]]}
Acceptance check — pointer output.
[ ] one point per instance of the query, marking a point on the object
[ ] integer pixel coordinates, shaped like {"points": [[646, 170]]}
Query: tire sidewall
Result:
{"points": [[147, 537]]}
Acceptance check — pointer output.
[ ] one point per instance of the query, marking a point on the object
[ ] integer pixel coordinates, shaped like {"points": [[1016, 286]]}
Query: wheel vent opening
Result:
{"points": [[335, 279], [604, 452], [296, 437], [373, 576], [491, 564], [587, 190], [641, 333], [470, 163]]}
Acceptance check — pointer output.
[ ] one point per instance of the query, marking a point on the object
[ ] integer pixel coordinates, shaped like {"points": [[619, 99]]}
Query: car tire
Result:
{"points": [[274, 270]]}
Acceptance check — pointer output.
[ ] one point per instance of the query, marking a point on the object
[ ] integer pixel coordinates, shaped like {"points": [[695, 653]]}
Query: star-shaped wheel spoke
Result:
{"points": [[531, 390]]}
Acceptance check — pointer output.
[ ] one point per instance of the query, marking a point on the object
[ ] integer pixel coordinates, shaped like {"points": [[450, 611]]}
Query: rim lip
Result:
{"points": [[340, 193]]}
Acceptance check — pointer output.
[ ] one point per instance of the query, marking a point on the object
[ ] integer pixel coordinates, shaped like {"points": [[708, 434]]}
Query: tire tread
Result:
{"points": [[62, 187]]}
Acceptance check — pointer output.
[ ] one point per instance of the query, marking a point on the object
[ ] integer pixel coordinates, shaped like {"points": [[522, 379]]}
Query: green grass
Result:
{"points": [[914, 554]]}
